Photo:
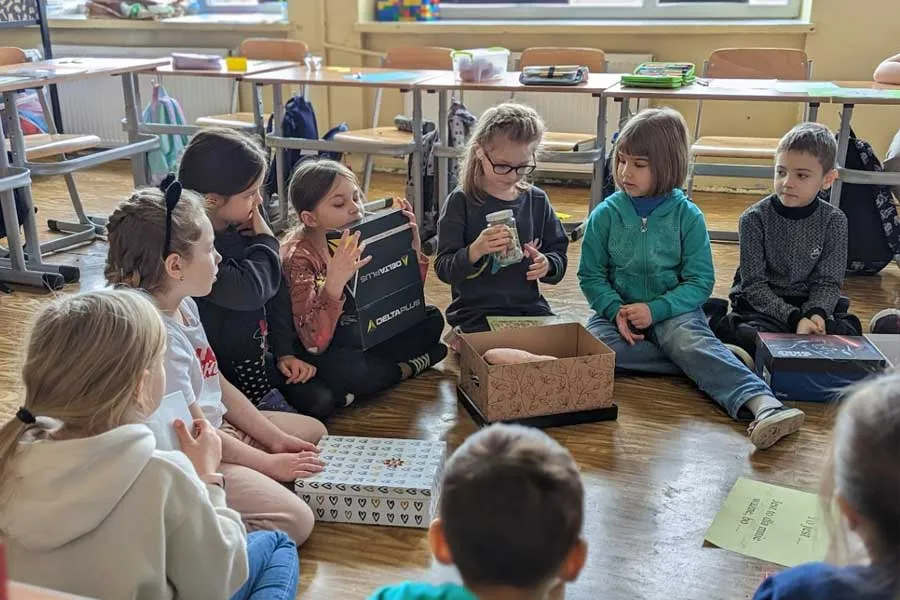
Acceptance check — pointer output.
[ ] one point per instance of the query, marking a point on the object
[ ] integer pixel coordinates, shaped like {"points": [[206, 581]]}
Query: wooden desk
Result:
{"points": [[399, 79], [254, 67], [59, 70]]}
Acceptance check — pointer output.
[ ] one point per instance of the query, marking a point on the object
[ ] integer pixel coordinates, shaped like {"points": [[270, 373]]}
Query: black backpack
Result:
{"points": [[19, 202], [873, 228]]}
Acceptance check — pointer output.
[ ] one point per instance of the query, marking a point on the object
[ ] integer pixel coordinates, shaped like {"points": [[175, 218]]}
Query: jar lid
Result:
{"points": [[500, 215]]}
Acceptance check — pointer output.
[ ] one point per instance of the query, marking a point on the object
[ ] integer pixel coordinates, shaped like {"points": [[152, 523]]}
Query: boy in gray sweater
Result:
{"points": [[793, 250]]}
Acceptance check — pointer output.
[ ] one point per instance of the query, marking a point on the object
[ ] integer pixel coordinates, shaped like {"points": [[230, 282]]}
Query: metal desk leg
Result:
{"points": [[258, 113], [139, 169], [812, 112], [418, 196], [278, 118], [443, 164], [843, 144], [623, 112], [600, 164]]}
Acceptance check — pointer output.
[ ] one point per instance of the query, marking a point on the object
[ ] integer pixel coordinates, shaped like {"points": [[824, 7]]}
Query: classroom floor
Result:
{"points": [[654, 479]]}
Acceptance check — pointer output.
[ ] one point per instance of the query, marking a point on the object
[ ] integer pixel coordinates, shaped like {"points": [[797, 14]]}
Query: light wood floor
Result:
{"points": [[655, 478]]}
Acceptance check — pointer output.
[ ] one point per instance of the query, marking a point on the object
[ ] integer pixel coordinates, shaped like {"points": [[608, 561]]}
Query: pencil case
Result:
{"points": [[553, 75], [661, 75]]}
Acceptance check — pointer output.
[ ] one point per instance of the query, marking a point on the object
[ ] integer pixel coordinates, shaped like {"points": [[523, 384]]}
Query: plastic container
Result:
{"points": [[480, 64], [513, 253]]}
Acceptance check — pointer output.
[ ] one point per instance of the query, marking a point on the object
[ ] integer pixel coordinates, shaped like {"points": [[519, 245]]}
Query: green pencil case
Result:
{"points": [[661, 75]]}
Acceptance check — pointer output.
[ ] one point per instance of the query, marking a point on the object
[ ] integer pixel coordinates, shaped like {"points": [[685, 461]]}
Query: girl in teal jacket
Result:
{"points": [[646, 270]]}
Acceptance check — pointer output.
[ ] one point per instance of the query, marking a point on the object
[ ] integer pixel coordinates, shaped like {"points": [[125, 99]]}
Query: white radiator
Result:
{"points": [[97, 106], [565, 113]]}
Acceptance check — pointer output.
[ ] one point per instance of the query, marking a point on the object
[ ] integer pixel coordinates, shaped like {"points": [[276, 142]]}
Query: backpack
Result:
{"points": [[164, 110], [300, 123], [873, 227], [19, 202]]}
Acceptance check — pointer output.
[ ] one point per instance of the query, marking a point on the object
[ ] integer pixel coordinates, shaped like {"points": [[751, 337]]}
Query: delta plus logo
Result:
{"points": [[376, 323], [402, 262]]}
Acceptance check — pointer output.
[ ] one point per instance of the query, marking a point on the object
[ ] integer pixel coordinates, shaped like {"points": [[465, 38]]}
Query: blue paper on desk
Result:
{"points": [[384, 77]]}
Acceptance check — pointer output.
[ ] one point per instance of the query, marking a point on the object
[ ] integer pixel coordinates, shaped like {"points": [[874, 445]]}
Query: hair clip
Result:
{"points": [[173, 195], [168, 180], [25, 416]]}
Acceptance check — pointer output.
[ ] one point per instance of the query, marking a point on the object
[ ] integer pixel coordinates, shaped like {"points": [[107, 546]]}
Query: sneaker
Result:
{"points": [[742, 355], [348, 399], [422, 362], [774, 424], [886, 321]]}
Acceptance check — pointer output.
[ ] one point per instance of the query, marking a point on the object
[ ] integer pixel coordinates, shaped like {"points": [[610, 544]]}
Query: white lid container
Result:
{"points": [[480, 64]]}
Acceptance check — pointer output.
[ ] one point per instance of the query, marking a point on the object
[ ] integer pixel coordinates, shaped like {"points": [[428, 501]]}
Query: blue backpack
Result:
{"points": [[299, 122]]}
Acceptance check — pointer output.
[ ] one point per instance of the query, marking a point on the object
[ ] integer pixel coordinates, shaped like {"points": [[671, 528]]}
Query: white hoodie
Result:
{"points": [[112, 517]]}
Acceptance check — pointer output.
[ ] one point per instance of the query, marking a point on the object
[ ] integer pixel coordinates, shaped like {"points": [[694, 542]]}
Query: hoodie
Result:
{"points": [[423, 591], [109, 516]]}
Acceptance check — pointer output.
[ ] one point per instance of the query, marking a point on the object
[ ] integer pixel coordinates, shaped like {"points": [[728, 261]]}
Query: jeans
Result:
{"points": [[685, 345], [274, 567]]}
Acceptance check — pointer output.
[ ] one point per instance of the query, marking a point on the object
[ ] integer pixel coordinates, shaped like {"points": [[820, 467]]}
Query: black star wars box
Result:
{"points": [[815, 368], [386, 296]]}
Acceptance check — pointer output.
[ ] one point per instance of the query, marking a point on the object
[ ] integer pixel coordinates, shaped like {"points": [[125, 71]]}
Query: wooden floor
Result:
{"points": [[655, 478]]}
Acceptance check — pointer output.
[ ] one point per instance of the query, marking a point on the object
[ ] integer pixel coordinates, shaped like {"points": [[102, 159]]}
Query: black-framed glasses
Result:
{"points": [[173, 195], [501, 169]]}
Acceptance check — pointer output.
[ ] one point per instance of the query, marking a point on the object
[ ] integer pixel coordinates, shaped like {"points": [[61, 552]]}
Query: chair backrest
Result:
{"points": [[274, 49], [758, 63], [419, 57], [11, 55], [592, 58]]}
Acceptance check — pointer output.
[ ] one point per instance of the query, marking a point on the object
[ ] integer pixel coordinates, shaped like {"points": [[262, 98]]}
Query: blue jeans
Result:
{"points": [[274, 567], [685, 345]]}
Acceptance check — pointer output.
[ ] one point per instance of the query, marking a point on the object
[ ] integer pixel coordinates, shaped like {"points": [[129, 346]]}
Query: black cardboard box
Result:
{"points": [[815, 368]]}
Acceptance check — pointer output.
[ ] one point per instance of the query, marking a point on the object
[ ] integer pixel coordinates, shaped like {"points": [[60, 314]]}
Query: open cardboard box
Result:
{"points": [[577, 387]]}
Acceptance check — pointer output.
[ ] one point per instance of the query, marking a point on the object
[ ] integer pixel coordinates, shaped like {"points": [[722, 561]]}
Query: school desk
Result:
{"points": [[14, 266], [358, 77], [745, 90]]}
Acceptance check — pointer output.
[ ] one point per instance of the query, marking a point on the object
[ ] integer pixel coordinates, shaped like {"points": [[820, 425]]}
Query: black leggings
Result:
{"points": [[366, 373]]}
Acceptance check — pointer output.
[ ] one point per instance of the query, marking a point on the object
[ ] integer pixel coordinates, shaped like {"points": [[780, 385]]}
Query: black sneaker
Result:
{"points": [[422, 362], [886, 321]]}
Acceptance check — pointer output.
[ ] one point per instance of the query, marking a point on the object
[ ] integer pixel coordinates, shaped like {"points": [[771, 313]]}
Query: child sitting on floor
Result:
{"points": [[247, 315], [863, 483], [646, 270], [510, 518], [793, 250], [326, 196], [500, 154]]}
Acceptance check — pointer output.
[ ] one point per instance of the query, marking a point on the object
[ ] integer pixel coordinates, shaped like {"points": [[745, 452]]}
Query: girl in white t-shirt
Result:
{"points": [[163, 243]]}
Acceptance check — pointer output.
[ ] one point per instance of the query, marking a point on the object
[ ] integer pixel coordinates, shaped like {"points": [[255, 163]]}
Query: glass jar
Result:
{"points": [[513, 253]]}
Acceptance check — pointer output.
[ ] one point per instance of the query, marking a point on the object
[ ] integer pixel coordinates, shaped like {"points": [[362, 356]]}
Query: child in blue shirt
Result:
{"points": [[646, 270], [864, 484], [510, 518]]}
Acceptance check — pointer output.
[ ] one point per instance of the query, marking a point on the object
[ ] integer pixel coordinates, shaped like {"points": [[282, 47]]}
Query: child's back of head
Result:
{"points": [[511, 510]]}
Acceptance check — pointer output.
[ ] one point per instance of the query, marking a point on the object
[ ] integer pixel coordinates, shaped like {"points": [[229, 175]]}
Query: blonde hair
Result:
{"points": [[863, 470], [84, 359], [517, 123], [137, 232], [660, 134]]}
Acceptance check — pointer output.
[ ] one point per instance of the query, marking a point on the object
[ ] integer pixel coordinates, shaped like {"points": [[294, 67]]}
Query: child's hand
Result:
{"points": [[344, 263], [819, 322], [638, 315], [289, 466], [295, 370], [256, 225], [490, 240], [407, 209], [203, 447], [540, 266], [624, 330], [807, 327], [290, 443]]}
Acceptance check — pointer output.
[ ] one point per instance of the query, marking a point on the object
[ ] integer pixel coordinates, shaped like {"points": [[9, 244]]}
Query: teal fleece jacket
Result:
{"points": [[423, 591], [663, 260]]}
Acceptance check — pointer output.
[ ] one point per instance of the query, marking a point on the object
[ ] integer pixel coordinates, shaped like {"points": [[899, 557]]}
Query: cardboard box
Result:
{"points": [[376, 481], [814, 368], [385, 297], [575, 388]]}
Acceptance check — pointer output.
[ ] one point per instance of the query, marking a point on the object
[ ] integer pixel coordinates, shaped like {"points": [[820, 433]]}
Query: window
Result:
{"points": [[240, 6], [621, 9]]}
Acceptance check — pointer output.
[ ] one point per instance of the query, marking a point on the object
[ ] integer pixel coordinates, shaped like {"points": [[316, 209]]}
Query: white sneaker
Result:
{"points": [[775, 424]]}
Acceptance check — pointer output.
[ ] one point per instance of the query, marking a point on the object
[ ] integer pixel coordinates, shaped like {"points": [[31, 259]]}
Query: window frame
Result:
{"points": [[640, 9]]}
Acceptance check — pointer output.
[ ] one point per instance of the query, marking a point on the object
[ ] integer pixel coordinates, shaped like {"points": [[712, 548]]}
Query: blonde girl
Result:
{"points": [[863, 482], [88, 506], [501, 153], [164, 244], [646, 270]]}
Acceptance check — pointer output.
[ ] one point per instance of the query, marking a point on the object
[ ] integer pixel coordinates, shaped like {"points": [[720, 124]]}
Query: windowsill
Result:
{"points": [[621, 26], [255, 22]]}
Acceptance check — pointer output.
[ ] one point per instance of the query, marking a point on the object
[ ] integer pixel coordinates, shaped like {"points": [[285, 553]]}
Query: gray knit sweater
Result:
{"points": [[798, 253]]}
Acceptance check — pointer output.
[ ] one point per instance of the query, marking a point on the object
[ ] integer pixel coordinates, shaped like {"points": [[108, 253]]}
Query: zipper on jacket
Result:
{"points": [[644, 254], [643, 224]]}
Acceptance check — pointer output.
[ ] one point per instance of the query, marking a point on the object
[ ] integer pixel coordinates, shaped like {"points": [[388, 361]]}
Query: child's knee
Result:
{"points": [[434, 321], [297, 521]]}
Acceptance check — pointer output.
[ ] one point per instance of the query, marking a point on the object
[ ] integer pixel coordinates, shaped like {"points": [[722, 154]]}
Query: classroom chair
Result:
{"points": [[389, 140], [255, 49], [743, 63]]}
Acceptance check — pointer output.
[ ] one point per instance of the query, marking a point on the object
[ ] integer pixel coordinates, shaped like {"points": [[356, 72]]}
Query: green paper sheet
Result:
{"points": [[811, 88], [388, 77], [772, 523], [498, 323], [866, 93]]}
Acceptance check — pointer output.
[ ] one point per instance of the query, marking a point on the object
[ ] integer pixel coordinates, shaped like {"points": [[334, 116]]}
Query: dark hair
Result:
{"points": [[814, 139], [512, 507], [313, 179], [661, 135], [221, 161]]}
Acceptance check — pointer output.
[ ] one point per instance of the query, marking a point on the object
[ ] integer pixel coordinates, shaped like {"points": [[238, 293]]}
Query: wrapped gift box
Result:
{"points": [[386, 297], [376, 481], [814, 368]]}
